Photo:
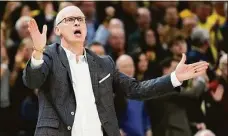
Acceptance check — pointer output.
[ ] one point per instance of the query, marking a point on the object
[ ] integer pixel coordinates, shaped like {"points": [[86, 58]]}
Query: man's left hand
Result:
{"points": [[187, 71]]}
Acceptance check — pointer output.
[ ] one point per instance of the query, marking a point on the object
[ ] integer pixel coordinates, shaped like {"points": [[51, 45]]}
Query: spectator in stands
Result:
{"points": [[203, 11], [22, 31], [157, 9], [200, 45], [134, 120], [64, 4], [109, 23], [168, 115], [128, 14], [97, 48], [4, 92], [19, 91], [152, 50], [177, 45], [46, 15], [136, 39], [189, 23], [141, 66], [116, 43], [89, 9], [171, 17], [216, 101]]}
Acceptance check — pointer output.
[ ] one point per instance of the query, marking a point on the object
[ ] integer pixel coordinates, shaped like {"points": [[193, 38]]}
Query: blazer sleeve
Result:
{"points": [[150, 89], [35, 77]]}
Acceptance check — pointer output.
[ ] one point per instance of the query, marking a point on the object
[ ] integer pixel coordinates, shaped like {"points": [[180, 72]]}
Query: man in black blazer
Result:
{"points": [[77, 86]]}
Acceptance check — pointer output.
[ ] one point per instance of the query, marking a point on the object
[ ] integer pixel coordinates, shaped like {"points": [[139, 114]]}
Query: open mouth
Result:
{"points": [[77, 32]]}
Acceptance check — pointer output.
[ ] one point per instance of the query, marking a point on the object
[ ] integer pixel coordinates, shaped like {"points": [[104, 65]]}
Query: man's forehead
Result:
{"points": [[70, 11]]}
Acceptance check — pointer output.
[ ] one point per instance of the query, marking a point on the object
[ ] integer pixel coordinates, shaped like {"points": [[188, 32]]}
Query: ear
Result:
{"points": [[57, 31]]}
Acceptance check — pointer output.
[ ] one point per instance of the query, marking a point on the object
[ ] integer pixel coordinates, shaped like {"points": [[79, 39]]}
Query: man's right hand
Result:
{"points": [[39, 40]]}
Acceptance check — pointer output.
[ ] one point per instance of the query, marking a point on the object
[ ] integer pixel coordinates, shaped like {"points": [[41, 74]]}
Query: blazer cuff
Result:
{"points": [[174, 80]]}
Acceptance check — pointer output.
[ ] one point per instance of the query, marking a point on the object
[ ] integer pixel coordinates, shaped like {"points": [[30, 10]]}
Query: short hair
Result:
{"points": [[142, 10], [167, 62], [176, 37], [21, 20]]}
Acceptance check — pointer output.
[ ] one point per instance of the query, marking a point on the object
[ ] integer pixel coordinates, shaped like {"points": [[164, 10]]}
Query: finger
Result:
{"points": [[199, 73], [183, 59], [200, 66], [197, 63], [44, 29]]}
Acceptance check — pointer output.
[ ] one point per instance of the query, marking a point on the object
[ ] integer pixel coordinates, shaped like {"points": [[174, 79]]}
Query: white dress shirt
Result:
{"points": [[86, 121]]}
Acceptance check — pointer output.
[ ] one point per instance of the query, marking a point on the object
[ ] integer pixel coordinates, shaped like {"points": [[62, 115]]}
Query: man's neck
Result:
{"points": [[76, 48]]}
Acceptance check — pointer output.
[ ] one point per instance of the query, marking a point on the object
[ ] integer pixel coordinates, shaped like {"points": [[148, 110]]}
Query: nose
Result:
{"points": [[76, 23]]}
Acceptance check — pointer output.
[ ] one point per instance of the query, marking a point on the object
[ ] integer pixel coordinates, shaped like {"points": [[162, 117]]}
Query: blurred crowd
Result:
{"points": [[146, 40]]}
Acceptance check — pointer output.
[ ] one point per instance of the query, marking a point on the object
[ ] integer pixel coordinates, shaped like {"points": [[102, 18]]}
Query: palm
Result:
{"points": [[39, 39], [188, 71]]}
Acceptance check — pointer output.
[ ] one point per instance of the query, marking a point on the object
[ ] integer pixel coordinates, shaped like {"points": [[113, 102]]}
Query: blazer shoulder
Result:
{"points": [[108, 60], [51, 48]]}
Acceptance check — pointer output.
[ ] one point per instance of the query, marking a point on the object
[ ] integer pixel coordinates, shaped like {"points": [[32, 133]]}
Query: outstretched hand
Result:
{"points": [[39, 39], [187, 71]]}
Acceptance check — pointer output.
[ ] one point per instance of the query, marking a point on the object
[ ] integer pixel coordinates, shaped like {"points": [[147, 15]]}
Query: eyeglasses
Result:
{"points": [[71, 20]]}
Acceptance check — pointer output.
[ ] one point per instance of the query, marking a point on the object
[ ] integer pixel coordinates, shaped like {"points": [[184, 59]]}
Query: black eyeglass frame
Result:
{"points": [[75, 18]]}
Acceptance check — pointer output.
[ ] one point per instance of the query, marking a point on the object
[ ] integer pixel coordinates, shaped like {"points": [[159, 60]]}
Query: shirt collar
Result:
{"points": [[71, 55]]}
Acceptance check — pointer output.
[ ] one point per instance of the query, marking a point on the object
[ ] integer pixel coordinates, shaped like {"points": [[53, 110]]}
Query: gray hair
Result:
{"points": [[199, 36], [21, 20]]}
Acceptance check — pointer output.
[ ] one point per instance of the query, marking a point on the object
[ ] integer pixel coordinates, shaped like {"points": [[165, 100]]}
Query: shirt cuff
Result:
{"points": [[174, 80], [36, 63]]}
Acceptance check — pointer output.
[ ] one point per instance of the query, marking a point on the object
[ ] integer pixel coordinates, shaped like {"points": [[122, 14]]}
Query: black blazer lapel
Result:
{"points": [[64, 60], [94, 69]]}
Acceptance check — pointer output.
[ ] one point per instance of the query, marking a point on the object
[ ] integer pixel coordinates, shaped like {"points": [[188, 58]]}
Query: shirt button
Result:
{"points": [[68, 127], [72, 113]]}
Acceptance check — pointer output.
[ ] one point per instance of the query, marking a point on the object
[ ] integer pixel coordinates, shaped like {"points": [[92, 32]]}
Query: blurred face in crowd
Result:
{"points": [[25, 11], [98, 49], [150, 38], [23, 31], [27, 48], [117, 39], [171, 68], [64, 4], [144, 18], [220, 8], [125, 65], [143, 63], [129, 7], [179, 47], [189, 23], [115, 23], [70, 25], [203, 11], [88, 8], [171, 16]]}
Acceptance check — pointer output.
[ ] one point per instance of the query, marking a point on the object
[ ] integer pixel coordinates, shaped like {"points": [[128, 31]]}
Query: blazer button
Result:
{"points": [[72, 113], [68, 127]]}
